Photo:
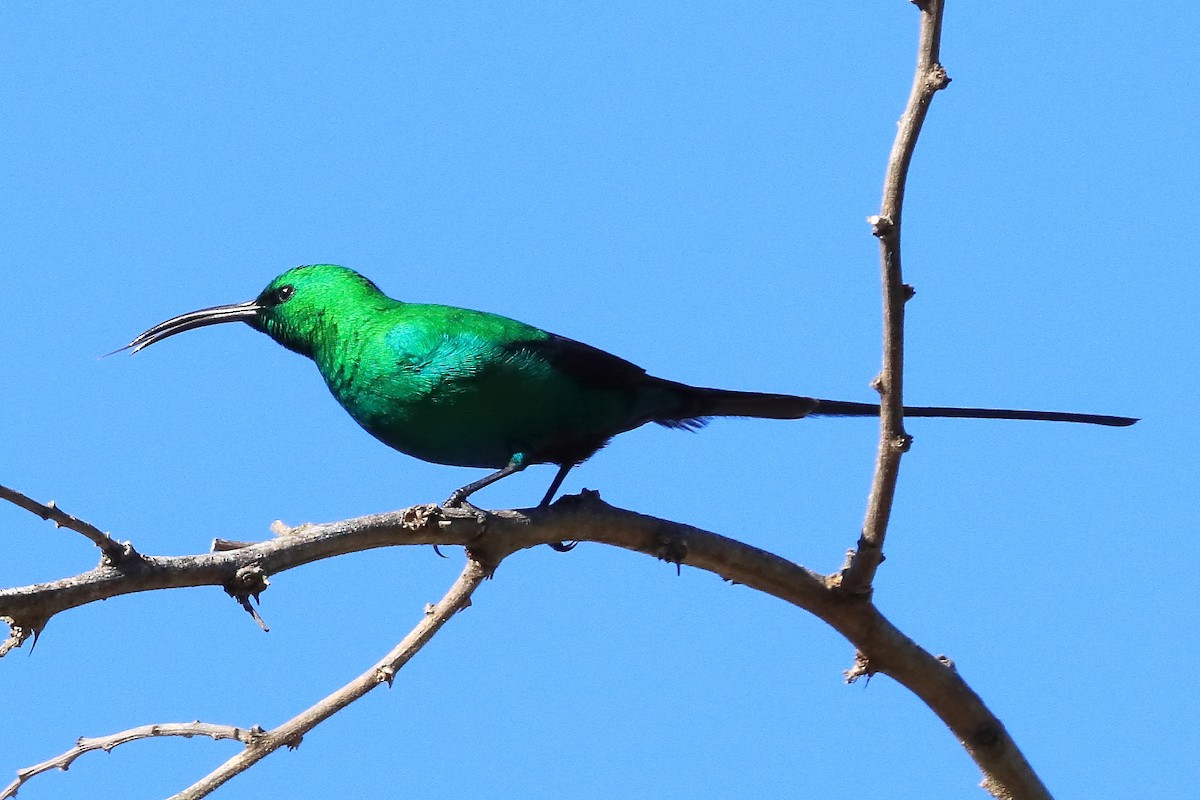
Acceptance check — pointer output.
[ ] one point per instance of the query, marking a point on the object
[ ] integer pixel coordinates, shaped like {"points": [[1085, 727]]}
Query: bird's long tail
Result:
{"points": [[841, 408], [699, 404]]}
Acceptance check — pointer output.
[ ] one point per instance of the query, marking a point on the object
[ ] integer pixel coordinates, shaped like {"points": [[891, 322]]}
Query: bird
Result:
{"points": [[467, 388]]}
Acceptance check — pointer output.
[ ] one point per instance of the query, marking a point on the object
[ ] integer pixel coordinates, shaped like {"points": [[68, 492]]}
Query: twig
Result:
{"points": [[17, 635], [290, 733], [107, 743], [857, 576], [115, 552]]}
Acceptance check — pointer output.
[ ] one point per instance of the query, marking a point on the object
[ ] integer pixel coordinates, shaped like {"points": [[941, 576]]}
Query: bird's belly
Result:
{"points": [[444, 433], [474, 424]]}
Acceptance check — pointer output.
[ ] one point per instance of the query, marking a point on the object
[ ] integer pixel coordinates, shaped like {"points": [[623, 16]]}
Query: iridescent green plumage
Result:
{"points": [[468, 388], [450, 385]]}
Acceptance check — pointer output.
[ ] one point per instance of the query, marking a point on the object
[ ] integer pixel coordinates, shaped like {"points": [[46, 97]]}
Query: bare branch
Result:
{"points": [[107, 743], [857, 576], [290, 733], [492, 537], [114, 552], [241, 572]]}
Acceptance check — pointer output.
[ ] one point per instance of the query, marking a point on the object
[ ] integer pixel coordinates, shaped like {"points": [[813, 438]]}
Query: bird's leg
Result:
{"points": [[563, 469], [516, 464]]}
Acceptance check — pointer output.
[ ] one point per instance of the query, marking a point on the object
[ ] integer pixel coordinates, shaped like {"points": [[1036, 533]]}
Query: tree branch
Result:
{"points": [[859, 572], [492, 537], [107, 743]]}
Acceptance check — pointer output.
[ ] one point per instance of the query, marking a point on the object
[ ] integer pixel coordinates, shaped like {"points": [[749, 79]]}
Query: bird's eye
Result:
{"points": [[283, 294]]}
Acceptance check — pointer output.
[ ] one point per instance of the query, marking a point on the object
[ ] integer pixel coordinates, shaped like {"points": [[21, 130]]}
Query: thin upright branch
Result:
{"points": [[290, 733], [114, 552], [930, 76], [106, 743]]}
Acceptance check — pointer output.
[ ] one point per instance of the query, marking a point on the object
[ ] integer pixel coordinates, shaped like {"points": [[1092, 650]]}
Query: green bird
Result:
{"points": [[473, 389]]}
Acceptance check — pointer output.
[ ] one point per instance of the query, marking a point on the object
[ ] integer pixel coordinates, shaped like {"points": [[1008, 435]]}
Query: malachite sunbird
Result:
{"points": [[469, 388]]}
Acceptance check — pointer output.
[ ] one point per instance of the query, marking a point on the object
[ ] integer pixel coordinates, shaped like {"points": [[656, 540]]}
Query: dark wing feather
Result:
{"points": [[595, 368], [589, 366]]}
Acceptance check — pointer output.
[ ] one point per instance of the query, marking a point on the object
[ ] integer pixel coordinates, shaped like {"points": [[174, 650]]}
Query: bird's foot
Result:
{"points": [[561, 547], [459, 500]]}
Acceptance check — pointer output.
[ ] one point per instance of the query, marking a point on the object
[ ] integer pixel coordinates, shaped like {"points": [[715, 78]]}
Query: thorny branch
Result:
{"points": [[492, 537], [864, 560], [114, 552], [107, 743]]}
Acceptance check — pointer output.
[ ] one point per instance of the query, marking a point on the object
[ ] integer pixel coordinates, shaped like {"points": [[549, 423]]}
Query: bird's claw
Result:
{"points": [[459, 502], [562, 547]]}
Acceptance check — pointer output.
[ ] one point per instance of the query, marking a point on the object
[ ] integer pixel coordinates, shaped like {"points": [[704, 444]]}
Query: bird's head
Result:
{"points": [[296, 309]]}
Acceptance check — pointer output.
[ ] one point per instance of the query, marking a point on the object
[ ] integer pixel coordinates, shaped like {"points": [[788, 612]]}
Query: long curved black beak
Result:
{"points": [[238, 312]]}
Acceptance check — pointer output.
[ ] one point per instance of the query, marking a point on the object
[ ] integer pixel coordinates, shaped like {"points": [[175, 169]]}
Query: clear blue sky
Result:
{"points": [[682, 184]]}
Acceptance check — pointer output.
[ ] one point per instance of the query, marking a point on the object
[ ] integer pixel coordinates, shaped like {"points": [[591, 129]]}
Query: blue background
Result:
{"points": [[681, 184]]}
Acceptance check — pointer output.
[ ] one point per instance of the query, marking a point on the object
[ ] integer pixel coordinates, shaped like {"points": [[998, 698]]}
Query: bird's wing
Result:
{"points": [[589, 366]]}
